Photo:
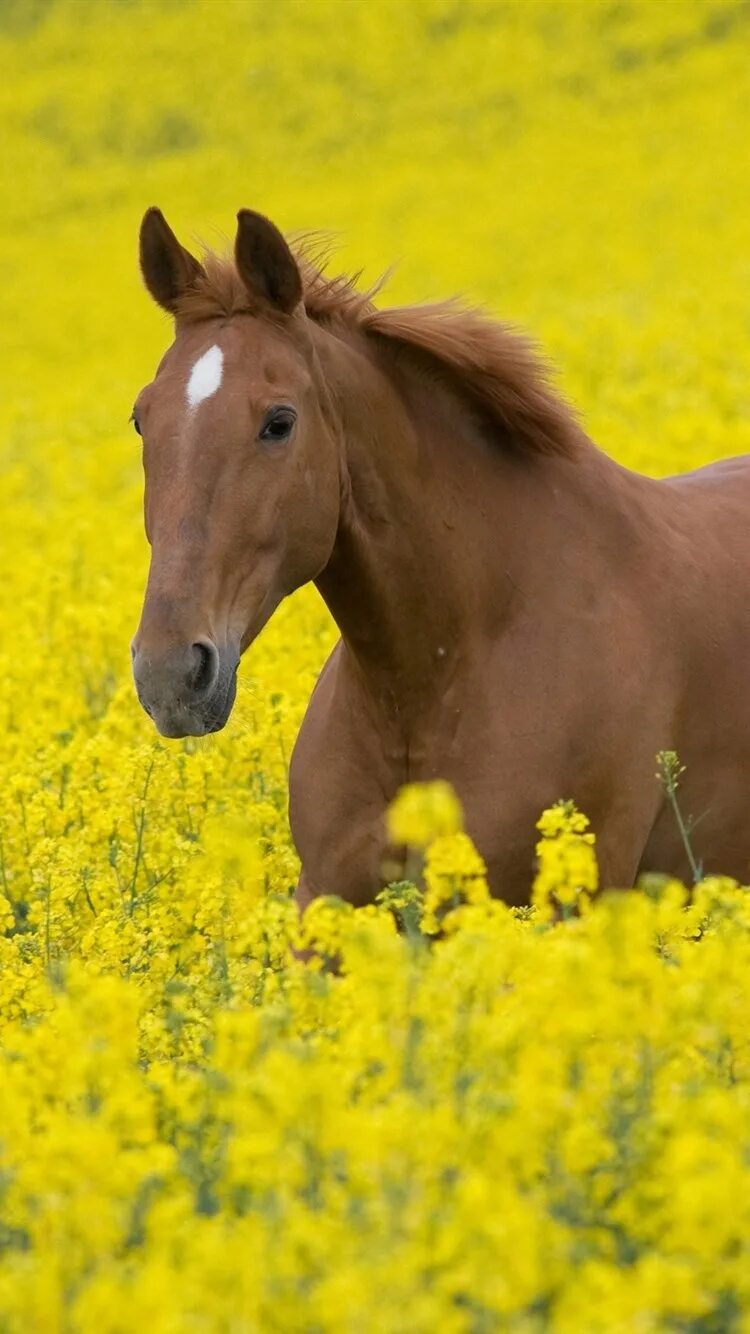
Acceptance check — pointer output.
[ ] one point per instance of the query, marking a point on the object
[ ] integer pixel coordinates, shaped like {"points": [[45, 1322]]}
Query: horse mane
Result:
{"points": [[497, 368]]}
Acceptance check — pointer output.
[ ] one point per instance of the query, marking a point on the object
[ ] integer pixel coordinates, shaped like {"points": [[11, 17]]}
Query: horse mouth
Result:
{"points": [[176, 719]]}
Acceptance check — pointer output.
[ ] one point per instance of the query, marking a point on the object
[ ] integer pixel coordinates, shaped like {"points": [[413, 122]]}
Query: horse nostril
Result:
{"points": [[205, 666]]}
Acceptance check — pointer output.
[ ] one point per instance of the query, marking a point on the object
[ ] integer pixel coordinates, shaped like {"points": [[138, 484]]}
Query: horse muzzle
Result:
{"points": [[186, 690]]}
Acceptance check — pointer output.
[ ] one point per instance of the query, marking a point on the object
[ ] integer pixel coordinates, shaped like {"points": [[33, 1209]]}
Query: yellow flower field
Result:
{"points": [[479, 1120]]}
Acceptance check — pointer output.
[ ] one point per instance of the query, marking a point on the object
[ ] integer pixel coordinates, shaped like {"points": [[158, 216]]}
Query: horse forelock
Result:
{"points": [[498, 368]]}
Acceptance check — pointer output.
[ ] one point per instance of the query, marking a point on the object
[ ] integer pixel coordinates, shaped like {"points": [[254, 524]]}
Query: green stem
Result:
{"points": [[695, 868]]}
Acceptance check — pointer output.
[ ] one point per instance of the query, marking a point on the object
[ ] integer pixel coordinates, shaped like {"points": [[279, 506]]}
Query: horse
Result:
{"points": [[519, 614]]}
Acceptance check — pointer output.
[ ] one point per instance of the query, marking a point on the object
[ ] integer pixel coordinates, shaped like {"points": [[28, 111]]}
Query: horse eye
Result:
{"points": [[136, 423], [277, 425]]}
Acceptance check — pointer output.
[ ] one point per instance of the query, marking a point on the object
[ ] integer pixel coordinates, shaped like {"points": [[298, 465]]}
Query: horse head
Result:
{"points": [[241, 463]]}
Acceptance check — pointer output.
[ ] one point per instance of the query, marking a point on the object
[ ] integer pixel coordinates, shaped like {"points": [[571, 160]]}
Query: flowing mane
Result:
{"points": [[498, 369]]}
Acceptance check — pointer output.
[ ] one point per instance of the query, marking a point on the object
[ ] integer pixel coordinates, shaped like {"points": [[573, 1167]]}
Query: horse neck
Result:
{"points": [[439, 523]]}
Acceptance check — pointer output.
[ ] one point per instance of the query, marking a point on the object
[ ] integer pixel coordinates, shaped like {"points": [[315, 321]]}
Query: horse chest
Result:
{"points": [[348, 765]]}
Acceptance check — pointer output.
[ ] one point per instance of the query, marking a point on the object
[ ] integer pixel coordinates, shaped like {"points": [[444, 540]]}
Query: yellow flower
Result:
{"points": [[567, 872], [455, 876], [494, 1128], [422, 812]]}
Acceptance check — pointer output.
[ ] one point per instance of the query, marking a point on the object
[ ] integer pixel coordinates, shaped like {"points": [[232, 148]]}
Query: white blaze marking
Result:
{"points": [[205, 377]]}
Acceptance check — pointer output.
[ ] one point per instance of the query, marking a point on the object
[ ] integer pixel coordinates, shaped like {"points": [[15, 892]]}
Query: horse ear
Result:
{"points": [[265, 263], [168, 269]]}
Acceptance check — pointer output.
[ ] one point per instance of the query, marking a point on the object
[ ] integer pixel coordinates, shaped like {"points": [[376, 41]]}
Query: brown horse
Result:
{"points": [[519, 614]]}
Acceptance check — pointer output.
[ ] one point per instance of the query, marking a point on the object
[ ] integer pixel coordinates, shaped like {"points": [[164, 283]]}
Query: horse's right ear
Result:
{"points": [[168, 269]]}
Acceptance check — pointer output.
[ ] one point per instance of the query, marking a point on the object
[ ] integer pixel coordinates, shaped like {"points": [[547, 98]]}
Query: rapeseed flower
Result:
{"points": [[434, 1110]]}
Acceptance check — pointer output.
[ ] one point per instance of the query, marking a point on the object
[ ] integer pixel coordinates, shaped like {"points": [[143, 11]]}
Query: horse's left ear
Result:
{"points": [[169, 270], [265, 263]]}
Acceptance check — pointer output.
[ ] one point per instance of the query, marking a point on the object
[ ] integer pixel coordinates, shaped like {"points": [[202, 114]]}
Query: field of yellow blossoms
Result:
{"points": [[478, 1120]]}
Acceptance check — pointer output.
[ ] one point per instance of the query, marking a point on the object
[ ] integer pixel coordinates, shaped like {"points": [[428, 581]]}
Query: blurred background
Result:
{"points": [[580, 167]]}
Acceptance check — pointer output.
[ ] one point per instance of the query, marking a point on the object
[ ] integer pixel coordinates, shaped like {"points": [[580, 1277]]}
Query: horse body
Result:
{"points": [[575, 623], [705, 627], [519, 615]]}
